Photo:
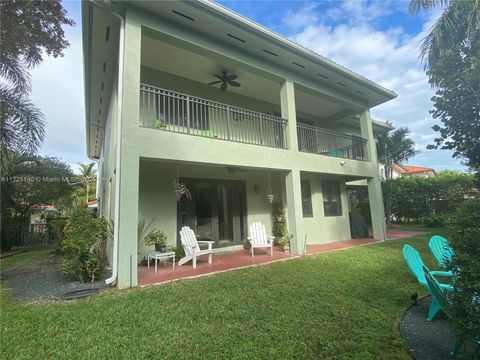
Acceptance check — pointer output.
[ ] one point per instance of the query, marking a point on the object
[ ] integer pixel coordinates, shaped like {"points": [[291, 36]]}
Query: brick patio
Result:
{"points": [[239, 259]]}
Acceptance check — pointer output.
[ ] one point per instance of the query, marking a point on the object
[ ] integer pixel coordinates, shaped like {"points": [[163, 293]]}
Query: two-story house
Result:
{"points": [[278, 120]]}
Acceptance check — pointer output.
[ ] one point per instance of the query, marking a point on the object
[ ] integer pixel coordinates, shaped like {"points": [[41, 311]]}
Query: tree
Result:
{"points": [[87, 176], [28, 30], [393, 148], [451, 57], [34, 181]]}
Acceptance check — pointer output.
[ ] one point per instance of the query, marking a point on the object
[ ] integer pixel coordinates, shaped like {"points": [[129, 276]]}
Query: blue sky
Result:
{"points": [[377, 39]]}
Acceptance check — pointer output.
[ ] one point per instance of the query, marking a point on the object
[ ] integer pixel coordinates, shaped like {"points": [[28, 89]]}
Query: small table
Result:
{"points": [[157, 255]]}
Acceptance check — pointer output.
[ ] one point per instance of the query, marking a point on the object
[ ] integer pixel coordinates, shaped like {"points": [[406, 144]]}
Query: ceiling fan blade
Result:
{"points": [[224, 86], [231, 77], [234, 83], [218, 76], [215, 82]]}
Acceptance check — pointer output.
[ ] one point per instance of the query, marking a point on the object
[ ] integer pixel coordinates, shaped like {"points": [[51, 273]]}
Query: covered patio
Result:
{"points": [[239, 259]]}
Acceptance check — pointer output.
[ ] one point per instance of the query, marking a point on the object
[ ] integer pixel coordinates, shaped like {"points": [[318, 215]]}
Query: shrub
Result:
{"points": [[55, 228], [415, 198], [465, 299], [179, 252], [84, 238], [434, 221]]}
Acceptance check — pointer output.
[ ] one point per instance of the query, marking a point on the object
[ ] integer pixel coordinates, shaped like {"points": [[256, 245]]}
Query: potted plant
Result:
{"points": [[284, 242], [180, 190], [158, 124], [157, 238]]}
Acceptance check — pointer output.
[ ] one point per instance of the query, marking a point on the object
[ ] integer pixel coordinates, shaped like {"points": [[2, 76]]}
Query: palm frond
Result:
{"points": [[15, 75], [416, 6], [22, 124]]}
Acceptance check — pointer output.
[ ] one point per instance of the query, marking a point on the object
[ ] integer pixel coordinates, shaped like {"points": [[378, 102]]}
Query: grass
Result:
{"points": [[11, 262], [339, 305]]}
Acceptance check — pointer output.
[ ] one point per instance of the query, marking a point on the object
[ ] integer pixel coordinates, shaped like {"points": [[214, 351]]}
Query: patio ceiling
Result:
{"points": [[184, 61]]}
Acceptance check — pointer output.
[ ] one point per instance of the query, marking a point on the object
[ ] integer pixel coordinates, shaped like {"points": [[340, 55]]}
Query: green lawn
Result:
{"points": [[339, 305]]}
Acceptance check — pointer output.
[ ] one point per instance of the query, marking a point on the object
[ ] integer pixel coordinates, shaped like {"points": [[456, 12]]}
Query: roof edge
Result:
{"points": [[308, 53]]}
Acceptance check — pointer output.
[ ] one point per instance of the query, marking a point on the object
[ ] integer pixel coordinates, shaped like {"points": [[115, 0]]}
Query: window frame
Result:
{"points": [[304, 186], [330, 189]]}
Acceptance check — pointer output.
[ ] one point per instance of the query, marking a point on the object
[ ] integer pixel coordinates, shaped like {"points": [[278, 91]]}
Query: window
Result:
{"points": [[306, 199], [332, 204]]}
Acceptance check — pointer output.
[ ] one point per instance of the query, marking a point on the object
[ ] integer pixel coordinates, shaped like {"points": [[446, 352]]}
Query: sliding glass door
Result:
{"points": [[216, 212]]}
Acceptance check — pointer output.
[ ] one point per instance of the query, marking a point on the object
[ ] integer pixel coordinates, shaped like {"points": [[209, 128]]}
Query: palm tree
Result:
{"points": [[459, 22], [22, 127], [87, 176], [393, 148]]}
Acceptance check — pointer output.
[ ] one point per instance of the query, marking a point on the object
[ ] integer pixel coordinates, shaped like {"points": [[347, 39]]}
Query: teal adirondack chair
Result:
{"points": [[441, 249], [415, 263], [440, 297]]}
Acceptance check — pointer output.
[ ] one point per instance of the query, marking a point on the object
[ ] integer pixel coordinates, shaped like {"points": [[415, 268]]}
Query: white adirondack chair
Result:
{"points": [[259, 238], [191, 247]]}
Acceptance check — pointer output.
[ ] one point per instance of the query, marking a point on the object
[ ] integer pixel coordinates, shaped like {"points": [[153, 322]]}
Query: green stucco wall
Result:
{"points": [[321, 229], [157, 200]]}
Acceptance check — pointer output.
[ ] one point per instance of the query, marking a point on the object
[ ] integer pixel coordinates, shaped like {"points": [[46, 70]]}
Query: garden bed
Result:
{"points": [[40, 278]]}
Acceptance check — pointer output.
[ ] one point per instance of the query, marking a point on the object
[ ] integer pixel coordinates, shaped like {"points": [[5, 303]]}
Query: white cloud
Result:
{"points": [[386, 56]]}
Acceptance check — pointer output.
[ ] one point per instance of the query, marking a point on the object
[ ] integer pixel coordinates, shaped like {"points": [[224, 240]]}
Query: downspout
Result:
{"points": [[116, 226]]}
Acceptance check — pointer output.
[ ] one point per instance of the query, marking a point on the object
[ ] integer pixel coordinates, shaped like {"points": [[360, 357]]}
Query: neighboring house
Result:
{"points": [[299, 126], [410, 170], [407, 170], [92, 204]]}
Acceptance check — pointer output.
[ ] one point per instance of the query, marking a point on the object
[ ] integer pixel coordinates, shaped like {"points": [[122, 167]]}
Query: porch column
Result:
{"points": [[128, 176], [287, 101], [128, 216], [293, 196], [374, 184]]}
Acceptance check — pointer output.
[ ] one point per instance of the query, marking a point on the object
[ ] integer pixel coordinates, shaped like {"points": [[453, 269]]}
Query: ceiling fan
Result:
{"points": [[225, 80]]}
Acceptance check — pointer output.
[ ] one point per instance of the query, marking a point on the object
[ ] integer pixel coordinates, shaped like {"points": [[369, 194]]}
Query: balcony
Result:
{"points": [[176, 112], [316, 140]]}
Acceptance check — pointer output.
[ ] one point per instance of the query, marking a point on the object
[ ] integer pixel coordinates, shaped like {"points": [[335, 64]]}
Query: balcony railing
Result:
{"points": [[172, 111], [326, 142]]}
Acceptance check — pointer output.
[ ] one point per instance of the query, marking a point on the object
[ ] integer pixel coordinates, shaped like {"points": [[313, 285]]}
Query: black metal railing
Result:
{"points": [[316, 140], [172, 111]]}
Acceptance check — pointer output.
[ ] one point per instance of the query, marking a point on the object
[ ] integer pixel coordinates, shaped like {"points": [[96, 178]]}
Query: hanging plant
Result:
{"points": [[180, 190], [269, 191], [270, 198]]}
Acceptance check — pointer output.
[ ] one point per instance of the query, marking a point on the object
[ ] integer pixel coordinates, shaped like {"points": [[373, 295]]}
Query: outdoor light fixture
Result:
{"points": [[343, 162]]}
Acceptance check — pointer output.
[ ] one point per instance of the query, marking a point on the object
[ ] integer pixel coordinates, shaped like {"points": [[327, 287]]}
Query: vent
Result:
{"points": [[107, 34], [102, 86], [236, 38], [270, 52], [299, 65], [341, 84], [323, 76], [104, 67], [183, 15], [101, 100], [359, 92]]}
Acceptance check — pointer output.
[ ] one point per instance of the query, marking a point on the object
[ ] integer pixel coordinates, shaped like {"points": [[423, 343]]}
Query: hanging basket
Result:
{"points": [[270, 198], [180, 190]]}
